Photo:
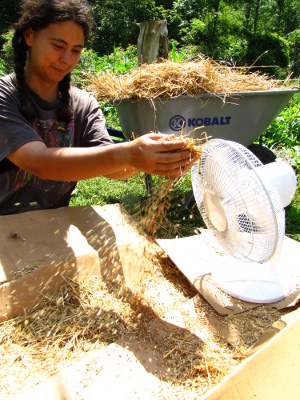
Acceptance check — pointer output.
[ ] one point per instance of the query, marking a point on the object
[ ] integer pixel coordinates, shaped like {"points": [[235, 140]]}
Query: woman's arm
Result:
{"points": [[149, 153]]}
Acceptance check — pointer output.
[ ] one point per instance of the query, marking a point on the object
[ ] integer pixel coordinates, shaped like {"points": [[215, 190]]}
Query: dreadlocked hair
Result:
{"points": [[38, 14]]}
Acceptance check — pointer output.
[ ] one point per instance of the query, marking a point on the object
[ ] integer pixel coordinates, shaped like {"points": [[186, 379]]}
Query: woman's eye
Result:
{"points": [[57, 46]]}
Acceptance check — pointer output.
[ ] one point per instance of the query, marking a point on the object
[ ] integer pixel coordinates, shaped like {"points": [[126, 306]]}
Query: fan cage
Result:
{"points": [[254, 213]]}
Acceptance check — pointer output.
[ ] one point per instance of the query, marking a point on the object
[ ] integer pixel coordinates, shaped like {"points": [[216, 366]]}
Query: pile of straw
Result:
{"points": [[79, 319], [169, 79]]}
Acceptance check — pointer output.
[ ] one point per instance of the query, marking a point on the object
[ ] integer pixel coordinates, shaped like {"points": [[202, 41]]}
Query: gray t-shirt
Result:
{"points": [[19, 190]]}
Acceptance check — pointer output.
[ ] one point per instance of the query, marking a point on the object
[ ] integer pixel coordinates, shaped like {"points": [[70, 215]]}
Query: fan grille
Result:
{"points": [[255, 219]]}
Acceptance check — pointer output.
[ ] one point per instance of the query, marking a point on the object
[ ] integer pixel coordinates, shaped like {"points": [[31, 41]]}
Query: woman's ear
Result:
{"points": [[28, 36]]}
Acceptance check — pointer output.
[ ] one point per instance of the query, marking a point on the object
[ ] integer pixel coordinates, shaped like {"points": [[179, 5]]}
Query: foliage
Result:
{"points": [[236, 31], [119, 60], [294, 43], [228, 44], [195, 33], [9, 13], [7, 51], [175, 56], [231, 41], [267, 51], [117, 22], [3, 69], [284, 132]]}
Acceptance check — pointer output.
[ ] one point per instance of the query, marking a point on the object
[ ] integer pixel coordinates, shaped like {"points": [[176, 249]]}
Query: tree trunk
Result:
{"points": [[216, 16], [280, 6], [257, 5], [248, 13], [152, 41]]}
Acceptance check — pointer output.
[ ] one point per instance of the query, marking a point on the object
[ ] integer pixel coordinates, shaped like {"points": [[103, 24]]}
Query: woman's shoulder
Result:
{"points": [[9, 88], [8, 81], [81, 94], [81, 98]]}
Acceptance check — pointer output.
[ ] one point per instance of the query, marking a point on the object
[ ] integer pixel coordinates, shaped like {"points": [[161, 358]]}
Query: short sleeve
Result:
{"points": [[89, 121], [15, 130]]}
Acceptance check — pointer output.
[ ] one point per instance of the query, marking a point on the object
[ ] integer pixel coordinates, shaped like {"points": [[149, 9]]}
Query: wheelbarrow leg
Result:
{"points": [[149, 184], [264, 154], [187, 201]]}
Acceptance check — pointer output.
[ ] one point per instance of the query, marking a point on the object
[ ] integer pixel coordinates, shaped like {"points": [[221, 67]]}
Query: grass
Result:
{"points": [[101, 191]]}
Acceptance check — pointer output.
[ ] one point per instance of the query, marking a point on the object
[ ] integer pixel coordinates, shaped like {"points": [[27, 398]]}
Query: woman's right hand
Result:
{"points": [[157, 154]]}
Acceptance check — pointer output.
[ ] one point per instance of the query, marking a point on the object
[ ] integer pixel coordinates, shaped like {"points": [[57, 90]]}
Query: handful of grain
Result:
{"points": [[193, 145], [152, 215]]}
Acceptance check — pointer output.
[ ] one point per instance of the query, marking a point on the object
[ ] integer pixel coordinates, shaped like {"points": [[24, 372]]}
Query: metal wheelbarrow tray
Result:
{"points": [[241, 116]]}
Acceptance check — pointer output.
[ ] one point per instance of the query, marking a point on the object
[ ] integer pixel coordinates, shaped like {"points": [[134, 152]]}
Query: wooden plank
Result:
{"points": [[70, 242]]}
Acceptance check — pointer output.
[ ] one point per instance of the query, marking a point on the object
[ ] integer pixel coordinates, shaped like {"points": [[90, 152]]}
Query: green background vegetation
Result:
{"points": [[263, 34], [241, 32]]}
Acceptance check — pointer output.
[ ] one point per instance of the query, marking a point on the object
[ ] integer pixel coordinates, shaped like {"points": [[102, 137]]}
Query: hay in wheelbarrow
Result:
{"points": [[169, 79]]}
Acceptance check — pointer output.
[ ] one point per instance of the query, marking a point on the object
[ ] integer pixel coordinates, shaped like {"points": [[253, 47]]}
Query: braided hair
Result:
{"points": [[38, 14]]}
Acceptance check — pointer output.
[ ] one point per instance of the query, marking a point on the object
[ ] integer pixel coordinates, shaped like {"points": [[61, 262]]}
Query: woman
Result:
{"points": [[52, 135]]}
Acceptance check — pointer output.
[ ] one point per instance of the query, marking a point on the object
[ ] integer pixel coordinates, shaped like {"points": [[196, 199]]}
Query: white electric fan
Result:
{"points": [[242, 203]]}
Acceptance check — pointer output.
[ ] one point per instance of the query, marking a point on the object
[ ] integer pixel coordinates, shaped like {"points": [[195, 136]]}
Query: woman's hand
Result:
{"points": [[157, 154]]}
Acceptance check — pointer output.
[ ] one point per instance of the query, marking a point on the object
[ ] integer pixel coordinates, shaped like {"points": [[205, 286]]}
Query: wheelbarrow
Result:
{"points": [[241, 117]]}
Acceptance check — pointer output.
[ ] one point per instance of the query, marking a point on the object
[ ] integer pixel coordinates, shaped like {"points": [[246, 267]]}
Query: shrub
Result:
{"points": [[294, 43], [3, 70], [269, 50], [90, 63], [283, 134], [7, 53]]}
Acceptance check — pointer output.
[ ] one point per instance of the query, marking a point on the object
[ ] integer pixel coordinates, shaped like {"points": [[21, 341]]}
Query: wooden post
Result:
{"points": [[152, 41]]}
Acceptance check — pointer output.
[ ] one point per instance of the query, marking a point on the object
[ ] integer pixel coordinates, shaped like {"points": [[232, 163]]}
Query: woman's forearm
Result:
{"points": [[148, 153], [70, 164]]}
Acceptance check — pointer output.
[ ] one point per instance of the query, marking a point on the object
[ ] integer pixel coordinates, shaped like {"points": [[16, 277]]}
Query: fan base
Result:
{"points": [[254, 284]]}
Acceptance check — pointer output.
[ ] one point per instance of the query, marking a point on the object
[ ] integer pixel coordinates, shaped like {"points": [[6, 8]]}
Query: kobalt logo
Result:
{"points": [[176, 122]]}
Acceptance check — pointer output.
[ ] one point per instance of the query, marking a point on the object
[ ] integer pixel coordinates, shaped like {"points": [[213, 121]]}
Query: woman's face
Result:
{"points": [[54, 51]]}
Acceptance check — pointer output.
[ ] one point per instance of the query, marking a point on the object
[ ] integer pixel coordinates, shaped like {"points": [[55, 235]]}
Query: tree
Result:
{"points": [[269, 52], [291, 16], [294, 43], [280, 7], [9, 13], [116, 22], [214, 12], [219, 28], [256, 13]]}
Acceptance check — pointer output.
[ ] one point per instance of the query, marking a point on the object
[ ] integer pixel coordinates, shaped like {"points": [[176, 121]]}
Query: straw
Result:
{"points": [[168, 79]]}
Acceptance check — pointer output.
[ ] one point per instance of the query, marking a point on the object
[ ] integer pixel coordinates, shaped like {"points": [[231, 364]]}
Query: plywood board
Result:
{"points": [[273, 372], [199, 258], [40, 249]]}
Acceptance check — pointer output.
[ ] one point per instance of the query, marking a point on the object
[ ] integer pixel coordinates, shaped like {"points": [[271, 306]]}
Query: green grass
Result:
{"points": [[293, 217], [101, 191]]}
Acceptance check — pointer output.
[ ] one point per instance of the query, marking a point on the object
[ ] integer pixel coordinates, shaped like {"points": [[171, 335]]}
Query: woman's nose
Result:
{"points": [[66, 57]]}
